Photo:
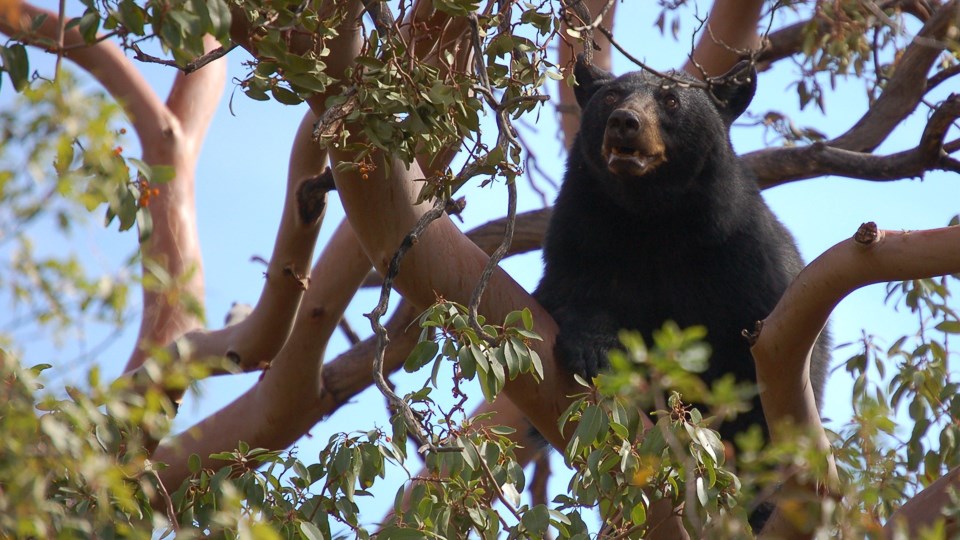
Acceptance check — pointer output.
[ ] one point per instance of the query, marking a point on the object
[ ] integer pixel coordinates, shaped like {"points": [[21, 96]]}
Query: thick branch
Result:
{"points": [[782, 350], [194, 97], [175, 242], [775, 166], [284, 404], [255, 341], [445, 262]]}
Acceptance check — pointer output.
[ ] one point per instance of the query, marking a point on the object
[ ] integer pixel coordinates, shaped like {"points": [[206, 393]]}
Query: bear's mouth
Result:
{"points": [[628, 160]]}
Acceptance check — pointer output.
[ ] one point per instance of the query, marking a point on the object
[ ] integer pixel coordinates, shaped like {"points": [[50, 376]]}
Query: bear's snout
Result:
{"points": [[623, 124], [632, 145]]}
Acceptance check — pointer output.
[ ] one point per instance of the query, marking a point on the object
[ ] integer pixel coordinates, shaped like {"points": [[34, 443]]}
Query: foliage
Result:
{"points": [[76, 468], [61, 157]]}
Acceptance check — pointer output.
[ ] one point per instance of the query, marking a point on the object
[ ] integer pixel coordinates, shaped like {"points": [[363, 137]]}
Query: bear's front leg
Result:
{"points": [[584, 339]]}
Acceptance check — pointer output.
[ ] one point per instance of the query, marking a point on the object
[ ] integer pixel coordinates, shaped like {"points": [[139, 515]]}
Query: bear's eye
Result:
{"points": [[670, 102], [611, 97]]}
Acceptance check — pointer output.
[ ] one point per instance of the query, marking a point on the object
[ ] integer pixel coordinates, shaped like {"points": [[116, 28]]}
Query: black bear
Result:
{"points": [[657, 219]]}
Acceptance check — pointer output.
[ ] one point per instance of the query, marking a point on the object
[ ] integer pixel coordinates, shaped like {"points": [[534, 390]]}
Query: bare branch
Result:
{"points": [[380, 332], [212, 55], [906, 87], [777, 166], [942, 75]]}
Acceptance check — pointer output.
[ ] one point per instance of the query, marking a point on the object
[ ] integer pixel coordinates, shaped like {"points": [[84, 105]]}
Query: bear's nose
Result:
{"points": [[623, 123]]}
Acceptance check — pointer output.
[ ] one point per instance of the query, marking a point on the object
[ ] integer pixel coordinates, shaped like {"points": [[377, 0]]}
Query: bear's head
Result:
{"points": [[643, 135]]}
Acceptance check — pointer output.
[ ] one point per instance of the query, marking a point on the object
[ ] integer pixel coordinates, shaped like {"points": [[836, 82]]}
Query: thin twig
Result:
{"points": [[942, 75], [500, 496], [586, 28], [167, 502], [190, 66], [61, 31], [683, 83], [506, 141], [408, 414], [348, 331], [782, 165]]}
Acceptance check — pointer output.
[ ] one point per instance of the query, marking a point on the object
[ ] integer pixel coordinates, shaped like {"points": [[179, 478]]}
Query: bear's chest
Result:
{"points": [[702, 286]]}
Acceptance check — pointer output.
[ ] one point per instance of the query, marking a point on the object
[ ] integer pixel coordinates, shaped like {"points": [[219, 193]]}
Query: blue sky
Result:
{"points": [[241, 180]]}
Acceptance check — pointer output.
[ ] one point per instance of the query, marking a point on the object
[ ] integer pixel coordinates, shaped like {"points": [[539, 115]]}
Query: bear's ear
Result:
{"points": [[733, 91], [589, 78]]}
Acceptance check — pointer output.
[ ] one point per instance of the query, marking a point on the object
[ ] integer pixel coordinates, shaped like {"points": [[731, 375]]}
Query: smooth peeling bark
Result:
{"points": [[175, 241], [786, 338], [924, 509], [444, 262]]}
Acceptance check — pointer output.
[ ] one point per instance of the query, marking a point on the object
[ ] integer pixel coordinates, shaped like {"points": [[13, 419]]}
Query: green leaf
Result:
{"points": [[702, 492], [285, 96], [536, 521], [144, 225], [310, 531], [510, 358], [468, 364], [89, 25], [638, 516], [422, 353], [194, 464], [220, 18], [131, 16], [527, 317], [17, 65], [949, 327]]}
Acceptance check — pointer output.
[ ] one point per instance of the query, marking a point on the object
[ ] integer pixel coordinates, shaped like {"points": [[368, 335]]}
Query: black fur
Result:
{"points": [[690, 240]]}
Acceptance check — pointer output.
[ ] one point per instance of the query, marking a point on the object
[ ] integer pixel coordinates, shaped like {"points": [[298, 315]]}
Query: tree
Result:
{"points": [[396, 91]]}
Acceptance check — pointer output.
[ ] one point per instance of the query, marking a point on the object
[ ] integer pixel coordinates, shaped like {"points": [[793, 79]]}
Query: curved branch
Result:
{"points": [[777, 166], [175, 241], [786, 337], [105, 62]]}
